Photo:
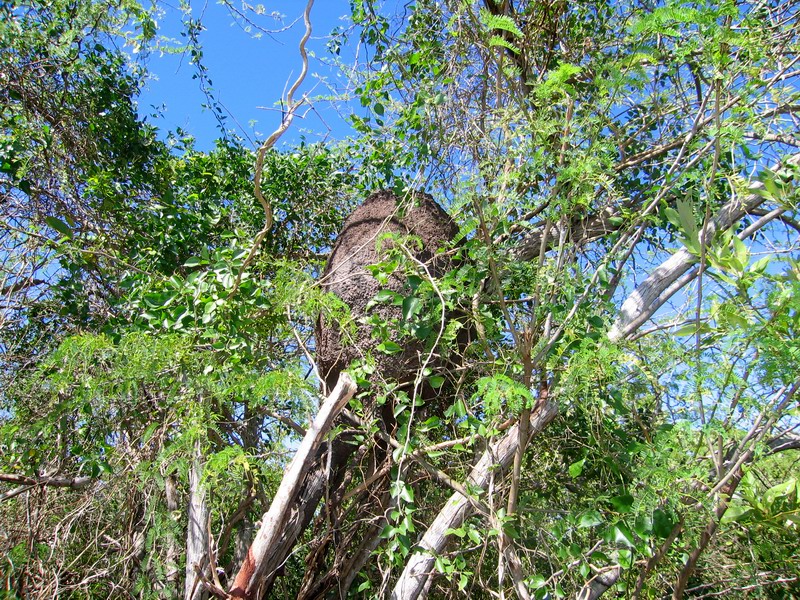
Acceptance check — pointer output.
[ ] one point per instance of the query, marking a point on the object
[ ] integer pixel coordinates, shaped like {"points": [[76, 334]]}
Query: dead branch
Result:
{"points": [[256, 568]]}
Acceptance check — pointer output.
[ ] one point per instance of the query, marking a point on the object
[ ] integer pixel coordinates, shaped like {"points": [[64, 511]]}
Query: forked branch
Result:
{"points": [[679, 269]]}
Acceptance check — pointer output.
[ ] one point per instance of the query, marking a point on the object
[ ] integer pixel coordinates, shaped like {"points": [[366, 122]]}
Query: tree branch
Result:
{"points": [[579, 231], [256, 568], [292, 106], [787, 441], [678, 270], [73, 483], [600, 583], [420, 565]]}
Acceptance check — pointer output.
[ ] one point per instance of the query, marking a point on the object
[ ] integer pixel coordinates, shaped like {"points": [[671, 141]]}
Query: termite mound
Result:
{"points": [[347, 275]]}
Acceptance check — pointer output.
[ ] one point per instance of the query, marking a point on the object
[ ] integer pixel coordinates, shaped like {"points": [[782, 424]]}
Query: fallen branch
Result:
{"points": [[256, 568]]}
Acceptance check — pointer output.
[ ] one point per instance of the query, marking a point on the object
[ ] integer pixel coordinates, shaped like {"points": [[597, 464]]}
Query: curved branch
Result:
{"points": [[286, 122], [292, 106], [579, 231], [679, 269], [600, 583], [782, 443]]}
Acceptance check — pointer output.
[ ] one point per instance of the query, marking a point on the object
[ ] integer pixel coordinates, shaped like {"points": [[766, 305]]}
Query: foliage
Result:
{"points": [[585, 150]]}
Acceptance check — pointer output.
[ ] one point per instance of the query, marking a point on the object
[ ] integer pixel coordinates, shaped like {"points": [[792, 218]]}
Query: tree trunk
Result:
{"points": [[197, 531]]}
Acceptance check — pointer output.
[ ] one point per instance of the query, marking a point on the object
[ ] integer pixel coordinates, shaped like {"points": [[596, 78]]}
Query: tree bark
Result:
{"points": [[294, 503], [197, 530], [419, 568], [73, 483], [599, 584], [579, 231], [172, 557], [678, 270]]}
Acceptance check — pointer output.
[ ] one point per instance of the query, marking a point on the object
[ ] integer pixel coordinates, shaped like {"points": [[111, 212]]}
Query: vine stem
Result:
{"points": [[292, 106]]}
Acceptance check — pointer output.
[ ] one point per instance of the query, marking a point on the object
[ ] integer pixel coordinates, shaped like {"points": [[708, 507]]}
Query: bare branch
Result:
{"points": [[678, 269], [256, 568], [292, 106], [420, 565], [600, 583], [787, 441], [73, 483]]}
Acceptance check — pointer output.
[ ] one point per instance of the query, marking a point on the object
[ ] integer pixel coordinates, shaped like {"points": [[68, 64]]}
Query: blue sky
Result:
{"points": [[249, 74]]}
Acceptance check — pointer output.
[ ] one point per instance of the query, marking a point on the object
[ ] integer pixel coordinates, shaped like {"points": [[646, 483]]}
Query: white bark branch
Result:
{"points": [[679, 269], [257, 568], [26, 483], [292, 106], [419, 568], [196, 531], [73, 483]]}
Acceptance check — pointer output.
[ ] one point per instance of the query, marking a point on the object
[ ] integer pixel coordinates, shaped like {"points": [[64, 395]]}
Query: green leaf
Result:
{"points": [[496, 40], [148, 433], [59, 226], [782, 490], [672, 216], [662, 523], [590, 518], [458, 409], [736, 513], [596, 322], [643, 526], [460, 532], [436, 381], [194, 261], [501, 22], [622, 503], [760, 265], [411, 306], [625, 558], [474, 536], [621, 535], [385, 296], [741, 254], [463, 581], [389, 347], [576, 468], [420, 332]]}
